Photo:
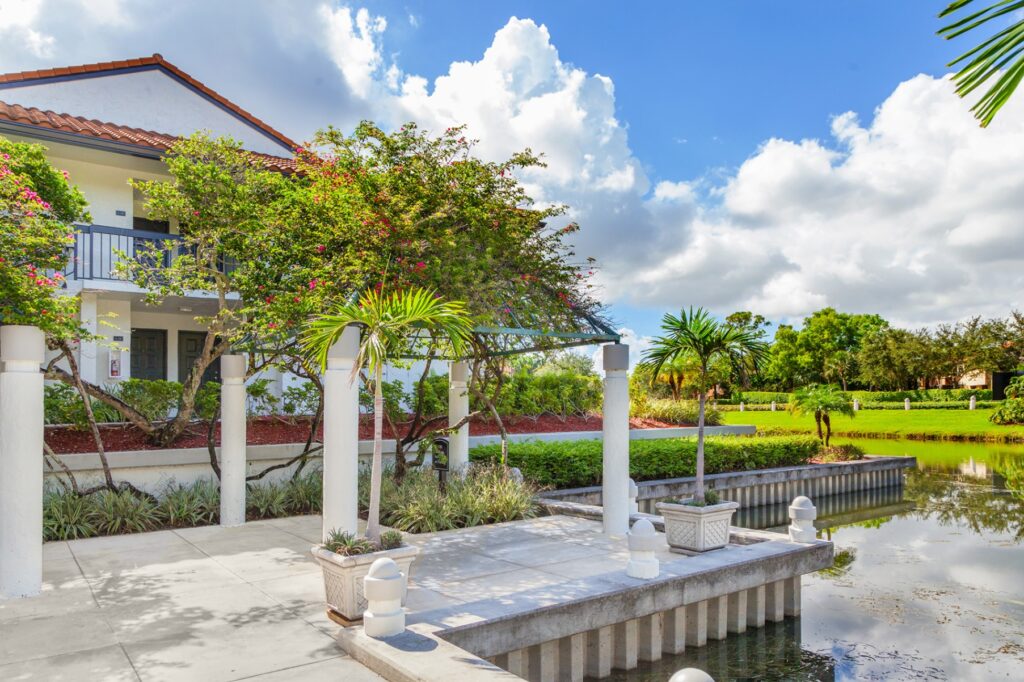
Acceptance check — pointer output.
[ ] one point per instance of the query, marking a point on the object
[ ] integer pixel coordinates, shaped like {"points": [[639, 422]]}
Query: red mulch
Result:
{"points": [[275, 430]]}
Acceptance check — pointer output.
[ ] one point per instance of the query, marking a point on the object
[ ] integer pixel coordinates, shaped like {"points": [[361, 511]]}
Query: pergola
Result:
{"points": [[576, 328]]}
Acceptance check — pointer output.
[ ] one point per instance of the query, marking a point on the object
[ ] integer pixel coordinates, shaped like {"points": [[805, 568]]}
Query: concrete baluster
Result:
{"points": [[384, 587], [803, 513], [232, 440], [22, 350], [643, 543]]}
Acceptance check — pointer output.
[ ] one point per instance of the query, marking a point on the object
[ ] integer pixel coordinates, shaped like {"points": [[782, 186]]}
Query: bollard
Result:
{"points": [[634, 492], [856, 405], [643, 542], [974, 402], [384, 587], [773, 406], [802, 512], [906, 403], [691, 675], [741, 407]]}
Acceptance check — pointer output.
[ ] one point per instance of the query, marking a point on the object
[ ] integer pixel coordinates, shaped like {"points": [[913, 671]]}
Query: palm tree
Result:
{"points": [[821, 401], [697, 334], [391, 324], [1001, 52]]}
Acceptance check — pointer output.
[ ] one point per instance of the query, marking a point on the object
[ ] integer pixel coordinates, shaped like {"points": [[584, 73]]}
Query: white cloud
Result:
{"points": [[352, 42], [17, 18]]}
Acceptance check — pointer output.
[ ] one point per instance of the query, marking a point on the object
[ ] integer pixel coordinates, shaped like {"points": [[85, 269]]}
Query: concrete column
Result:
{"points": [[572, 656], [232, 440], [673, 639], [341, 436], [737, 618], [697, 624], [718, 617], [615, 478], [791, 596], [599, 653], [458, 408], [755, 607], [516, 663], [87, 355], [774, 603], [651, 636], [626, 647], [22, 350], [543, 662]]}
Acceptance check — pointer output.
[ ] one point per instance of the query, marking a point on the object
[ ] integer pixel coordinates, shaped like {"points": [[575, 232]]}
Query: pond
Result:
{"points": [[928, 581]]}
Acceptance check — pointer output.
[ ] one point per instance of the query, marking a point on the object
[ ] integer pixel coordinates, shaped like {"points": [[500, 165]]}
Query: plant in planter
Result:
{"points": [[393, 325], [346, 559], [699, 526]]}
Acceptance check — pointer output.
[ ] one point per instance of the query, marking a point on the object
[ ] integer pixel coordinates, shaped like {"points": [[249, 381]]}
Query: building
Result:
{"points": [[106, 124]]}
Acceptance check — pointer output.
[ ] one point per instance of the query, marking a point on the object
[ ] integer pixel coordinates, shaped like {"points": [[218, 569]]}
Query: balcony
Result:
{"points": [[98, 249]]}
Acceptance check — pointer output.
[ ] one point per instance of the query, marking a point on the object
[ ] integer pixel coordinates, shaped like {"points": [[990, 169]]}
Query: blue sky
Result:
{"points": [[775, 157]]}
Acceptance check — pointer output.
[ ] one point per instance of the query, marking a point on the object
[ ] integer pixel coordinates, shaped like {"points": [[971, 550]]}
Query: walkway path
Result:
{"points": [[194, 604]]}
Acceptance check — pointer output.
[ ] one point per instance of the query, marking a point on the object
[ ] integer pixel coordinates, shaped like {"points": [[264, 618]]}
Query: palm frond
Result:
{"points": [[1001, 54]]}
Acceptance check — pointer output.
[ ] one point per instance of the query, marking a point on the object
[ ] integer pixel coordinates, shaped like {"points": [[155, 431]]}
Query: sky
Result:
{"points": [[774, 157]]}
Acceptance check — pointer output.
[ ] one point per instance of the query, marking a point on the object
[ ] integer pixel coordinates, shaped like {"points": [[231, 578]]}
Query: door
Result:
{"points": [[190, 347], [149, 354]]}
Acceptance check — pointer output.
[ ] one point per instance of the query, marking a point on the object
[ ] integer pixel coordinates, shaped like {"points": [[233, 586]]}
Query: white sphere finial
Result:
{"points": [[691, 675], [643, 543], [802, 512]]}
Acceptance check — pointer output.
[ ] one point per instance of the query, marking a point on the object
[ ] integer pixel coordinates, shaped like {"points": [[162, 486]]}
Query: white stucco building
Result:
{"points": [[106, 124]]}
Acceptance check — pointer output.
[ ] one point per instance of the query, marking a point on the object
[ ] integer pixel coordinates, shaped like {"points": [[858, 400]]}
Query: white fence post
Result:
{"points": [[458, 408], [22, 350], [232, 440], [341, 436], [906, 403]]}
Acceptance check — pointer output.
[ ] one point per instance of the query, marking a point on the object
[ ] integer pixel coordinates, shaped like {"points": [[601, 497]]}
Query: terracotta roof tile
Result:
{"points": [[158, 61], [78, 125]]}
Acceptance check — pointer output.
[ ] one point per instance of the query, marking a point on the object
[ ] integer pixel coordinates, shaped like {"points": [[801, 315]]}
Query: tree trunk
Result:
{"points": [[700, 447], [817, 420], [90, 416], [828, 428], [373, 517]]}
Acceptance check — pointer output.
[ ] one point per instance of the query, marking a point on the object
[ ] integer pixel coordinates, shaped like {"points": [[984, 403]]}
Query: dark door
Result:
{"points": [[149, 354], [190, 347]]}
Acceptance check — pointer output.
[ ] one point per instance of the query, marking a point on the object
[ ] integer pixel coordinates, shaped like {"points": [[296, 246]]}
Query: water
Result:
{"points": [[928, 581]]}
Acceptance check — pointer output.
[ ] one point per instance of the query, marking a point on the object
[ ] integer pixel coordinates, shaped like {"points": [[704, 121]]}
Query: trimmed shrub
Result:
{"points": [[935, 395], [672, 411], [574, 464], [760, 397]]}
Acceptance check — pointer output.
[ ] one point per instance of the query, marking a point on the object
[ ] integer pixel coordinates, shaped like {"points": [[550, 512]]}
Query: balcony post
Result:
{"points": [[341, 436]]}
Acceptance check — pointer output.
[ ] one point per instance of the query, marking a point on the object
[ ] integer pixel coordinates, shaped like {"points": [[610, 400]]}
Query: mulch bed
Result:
{"points": [[277, 430]]}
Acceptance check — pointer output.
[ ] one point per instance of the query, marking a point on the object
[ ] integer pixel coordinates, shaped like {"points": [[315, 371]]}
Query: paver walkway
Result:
{"points": [[203, 604]]}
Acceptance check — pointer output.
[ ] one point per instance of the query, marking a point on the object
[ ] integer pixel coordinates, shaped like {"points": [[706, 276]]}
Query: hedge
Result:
{"points": [[576, 464], [927, 405], [936, 395]]}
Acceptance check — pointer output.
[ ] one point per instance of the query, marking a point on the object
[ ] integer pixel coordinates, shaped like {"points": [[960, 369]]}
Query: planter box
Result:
{"points": [[343, 576], [697, 529]]}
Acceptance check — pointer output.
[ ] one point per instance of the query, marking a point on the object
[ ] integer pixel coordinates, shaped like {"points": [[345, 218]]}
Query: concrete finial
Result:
{"points": [[906, 403], [773, 406], [643, 542], [691, 675], [741, 407], [856, 405], [384, 587], [974, 402], [634, 492], [803, 513], [516, 474]]}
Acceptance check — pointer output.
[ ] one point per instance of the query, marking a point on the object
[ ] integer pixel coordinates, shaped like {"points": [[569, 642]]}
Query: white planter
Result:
{"points": [[697, 529], [343, 576]]}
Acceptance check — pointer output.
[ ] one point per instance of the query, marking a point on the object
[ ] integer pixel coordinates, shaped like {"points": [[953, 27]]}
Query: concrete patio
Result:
{"points": [[205, 604]]}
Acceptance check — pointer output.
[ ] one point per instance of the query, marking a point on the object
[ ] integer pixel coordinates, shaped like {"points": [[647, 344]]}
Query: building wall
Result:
{"points": [[151, 100]]}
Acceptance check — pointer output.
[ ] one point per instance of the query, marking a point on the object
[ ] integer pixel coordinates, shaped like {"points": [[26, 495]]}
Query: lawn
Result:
{"points": [[922, 424]]}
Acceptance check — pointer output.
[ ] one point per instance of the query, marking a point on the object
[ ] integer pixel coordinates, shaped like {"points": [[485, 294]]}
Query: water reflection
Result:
{"points": [[928, 581]]}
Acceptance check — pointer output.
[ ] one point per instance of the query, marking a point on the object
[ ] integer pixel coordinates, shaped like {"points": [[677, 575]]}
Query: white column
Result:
{"points": [[615, 478], [22, 350], [458, 408], [87, 355], [232, 440], [341, 436]]}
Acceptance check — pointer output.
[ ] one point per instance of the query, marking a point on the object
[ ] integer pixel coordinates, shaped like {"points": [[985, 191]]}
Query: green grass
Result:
{"points": [[921, 424]]}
